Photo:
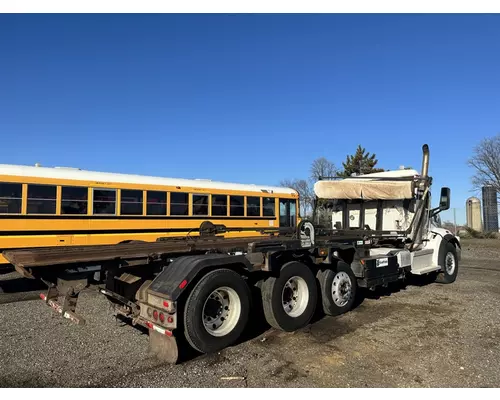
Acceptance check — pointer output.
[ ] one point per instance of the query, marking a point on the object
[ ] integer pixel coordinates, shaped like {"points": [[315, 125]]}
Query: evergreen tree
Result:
{"points": [[359, 164]]}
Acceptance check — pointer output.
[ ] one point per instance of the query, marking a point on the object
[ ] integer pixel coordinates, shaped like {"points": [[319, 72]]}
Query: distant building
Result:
{"points": [[473, 209], [490, 209]]}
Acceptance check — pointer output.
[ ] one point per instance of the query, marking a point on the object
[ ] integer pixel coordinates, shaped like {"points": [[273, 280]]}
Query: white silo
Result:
{"points": [[473, 206]]}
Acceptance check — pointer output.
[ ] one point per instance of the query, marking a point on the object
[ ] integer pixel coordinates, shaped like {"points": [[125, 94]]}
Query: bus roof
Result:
{"points": [[83, 175]]}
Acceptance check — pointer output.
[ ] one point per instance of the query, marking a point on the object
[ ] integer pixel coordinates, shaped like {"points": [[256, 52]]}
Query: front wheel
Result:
{"points": [[216, 311], [448, 261], [338, 289]]}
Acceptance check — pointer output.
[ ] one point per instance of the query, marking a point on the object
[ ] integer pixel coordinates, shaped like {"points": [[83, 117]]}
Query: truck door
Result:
{"points": [[288, 213]]}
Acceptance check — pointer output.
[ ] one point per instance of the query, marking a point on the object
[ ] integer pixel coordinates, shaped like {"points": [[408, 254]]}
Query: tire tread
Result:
{"points": [[197, 339]]}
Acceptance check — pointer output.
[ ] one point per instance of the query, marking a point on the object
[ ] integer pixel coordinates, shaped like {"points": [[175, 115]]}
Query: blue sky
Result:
{"points": [[248, 98]]}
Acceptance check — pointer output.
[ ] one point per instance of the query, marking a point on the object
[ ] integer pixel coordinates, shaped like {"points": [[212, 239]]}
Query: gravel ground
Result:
{"points": [[14, 288], [418, 336]]}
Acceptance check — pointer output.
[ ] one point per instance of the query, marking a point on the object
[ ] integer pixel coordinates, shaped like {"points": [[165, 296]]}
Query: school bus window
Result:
{"points": [[10, 198], [179, 203], [104, 201], [41, 199], [237, 206], [219, 204], [269, 206], [156, 203], [200, 204], [74, 200], [253, 206], [131, 202]]}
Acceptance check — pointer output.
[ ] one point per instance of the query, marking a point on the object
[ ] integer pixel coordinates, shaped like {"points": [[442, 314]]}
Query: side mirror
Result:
{"points": [[444, 202]]}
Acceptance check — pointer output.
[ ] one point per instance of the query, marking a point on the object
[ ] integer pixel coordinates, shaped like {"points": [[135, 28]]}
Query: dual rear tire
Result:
{"points": [[289, 300], [217, 310], [338, 289]]}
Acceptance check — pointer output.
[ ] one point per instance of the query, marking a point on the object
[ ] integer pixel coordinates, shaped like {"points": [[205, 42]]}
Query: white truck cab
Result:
{"points": [[393, 209]]}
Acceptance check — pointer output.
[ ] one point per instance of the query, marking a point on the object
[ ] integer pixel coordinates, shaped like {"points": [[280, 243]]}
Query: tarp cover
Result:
{"points": [[363, 189]]}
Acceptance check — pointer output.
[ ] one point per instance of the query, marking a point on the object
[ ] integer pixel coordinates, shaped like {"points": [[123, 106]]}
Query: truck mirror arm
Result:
{"points": [[435, 211]]}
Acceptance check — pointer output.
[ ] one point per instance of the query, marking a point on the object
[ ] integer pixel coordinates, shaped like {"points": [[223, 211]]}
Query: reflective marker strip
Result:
{"points": [[158, 329], [51, 303], [58, 308]]}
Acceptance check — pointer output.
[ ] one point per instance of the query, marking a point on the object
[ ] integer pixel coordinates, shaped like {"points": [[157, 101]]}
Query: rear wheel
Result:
{"points": [[216, 311], [449, 264], [338, 289], [289, 300]]}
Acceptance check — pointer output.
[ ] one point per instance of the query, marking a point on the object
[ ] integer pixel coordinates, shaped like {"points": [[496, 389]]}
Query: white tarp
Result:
{"points": [[367, 189]]}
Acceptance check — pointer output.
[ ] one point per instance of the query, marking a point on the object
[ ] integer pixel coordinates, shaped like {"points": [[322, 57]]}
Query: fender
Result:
{"points": [[448, 239], [438, 237], [452, 239], [181, 273], [456, 241], [438, 241]]}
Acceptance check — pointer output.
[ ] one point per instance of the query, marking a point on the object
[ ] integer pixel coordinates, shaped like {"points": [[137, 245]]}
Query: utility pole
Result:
{"points": [[455, 219]]}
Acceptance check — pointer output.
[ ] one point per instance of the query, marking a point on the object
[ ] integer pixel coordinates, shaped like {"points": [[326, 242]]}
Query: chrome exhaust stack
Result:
{"points": [[425, 161], [421, 214]]}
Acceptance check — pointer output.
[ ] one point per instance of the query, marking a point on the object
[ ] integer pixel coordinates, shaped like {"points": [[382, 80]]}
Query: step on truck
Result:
{"points": [[366, 231]]}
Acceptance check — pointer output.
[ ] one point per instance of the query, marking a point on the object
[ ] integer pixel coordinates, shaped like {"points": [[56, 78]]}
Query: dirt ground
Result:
{"points": [[420, 335]]}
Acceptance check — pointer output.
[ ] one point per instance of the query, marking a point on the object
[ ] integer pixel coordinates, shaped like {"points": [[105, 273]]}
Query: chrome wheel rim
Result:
{"points": [[221, 311], [295, 296], [450, 263], [341, 289]]}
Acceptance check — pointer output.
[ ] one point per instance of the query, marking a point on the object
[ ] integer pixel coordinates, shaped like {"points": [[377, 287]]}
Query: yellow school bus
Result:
{"points": [[42, 206]]}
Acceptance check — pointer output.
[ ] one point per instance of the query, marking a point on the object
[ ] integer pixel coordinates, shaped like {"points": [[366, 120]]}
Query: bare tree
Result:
{"points": [[321, 167], [486, 161], [305, 191]]}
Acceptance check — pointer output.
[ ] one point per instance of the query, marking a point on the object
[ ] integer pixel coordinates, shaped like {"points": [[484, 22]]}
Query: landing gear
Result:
{"points": [[70, 291]]}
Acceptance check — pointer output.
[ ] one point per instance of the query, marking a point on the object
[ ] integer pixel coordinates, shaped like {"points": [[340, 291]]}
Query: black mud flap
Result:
{"points": [[177, 276]]}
